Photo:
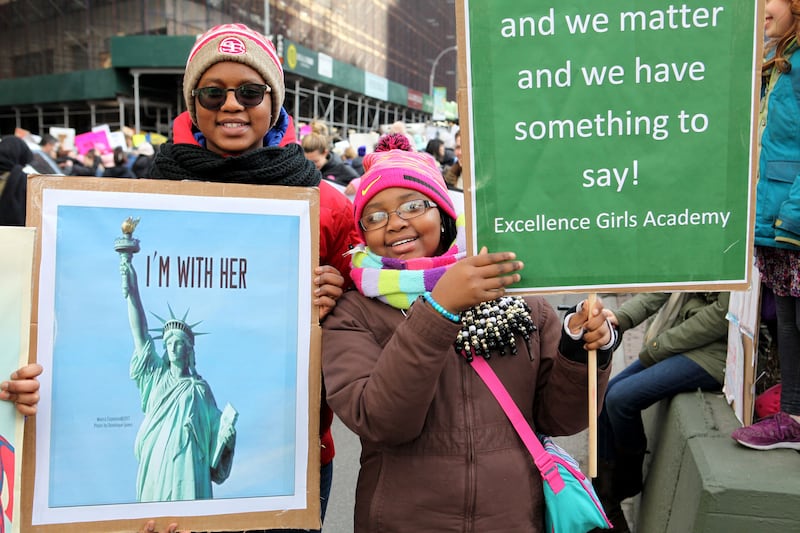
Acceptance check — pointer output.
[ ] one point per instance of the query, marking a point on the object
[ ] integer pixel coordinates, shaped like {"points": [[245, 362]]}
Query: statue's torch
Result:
{"points": [[126, 246]]}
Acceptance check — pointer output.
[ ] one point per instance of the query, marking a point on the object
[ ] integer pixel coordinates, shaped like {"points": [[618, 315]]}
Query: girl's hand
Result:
{"points": [[23, 389], [476, 279], [330, 285], [150, 527], [596, 332]]}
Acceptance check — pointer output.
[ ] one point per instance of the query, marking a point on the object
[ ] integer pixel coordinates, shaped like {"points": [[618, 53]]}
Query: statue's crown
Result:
{"points": [[176, 324], [180, 325]]}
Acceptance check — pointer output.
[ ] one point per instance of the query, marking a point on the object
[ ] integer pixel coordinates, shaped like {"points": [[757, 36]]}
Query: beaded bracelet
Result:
{"points": [[452, 317]]}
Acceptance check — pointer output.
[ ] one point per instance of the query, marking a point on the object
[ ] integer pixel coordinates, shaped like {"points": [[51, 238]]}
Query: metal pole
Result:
{"points": [[136, 112], [346, 116], [296, 104], [266, 19], [360, 114], [436, 62], [40, 116]]}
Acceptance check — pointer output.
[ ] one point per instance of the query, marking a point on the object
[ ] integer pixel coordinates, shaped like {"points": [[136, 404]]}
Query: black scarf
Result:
{"points": [[270, 165]]}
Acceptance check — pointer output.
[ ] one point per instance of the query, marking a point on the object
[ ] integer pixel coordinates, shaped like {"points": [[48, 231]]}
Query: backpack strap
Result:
{"points": [[544, 461]]}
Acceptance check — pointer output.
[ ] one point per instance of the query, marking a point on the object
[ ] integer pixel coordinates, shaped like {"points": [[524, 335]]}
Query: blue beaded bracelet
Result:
{"points": [[442, 311]]}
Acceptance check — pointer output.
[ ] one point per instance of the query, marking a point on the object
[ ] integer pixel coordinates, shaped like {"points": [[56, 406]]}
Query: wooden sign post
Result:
{"points": [[611, 145]]}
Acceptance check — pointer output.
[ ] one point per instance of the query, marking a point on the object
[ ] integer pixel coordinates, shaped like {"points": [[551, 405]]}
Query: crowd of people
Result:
{"points": [[18, 158], [119, 162], [396, 290]]}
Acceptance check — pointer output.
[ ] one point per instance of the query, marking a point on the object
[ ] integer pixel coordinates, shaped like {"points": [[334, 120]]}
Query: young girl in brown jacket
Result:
{"points": [[438, 453]]}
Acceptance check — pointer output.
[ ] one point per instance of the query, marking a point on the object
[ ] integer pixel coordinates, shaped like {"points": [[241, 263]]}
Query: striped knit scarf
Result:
{"points": [[399, 282]]}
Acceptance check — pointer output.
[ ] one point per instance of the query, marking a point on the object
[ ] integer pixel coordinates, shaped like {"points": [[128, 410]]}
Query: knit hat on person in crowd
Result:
{"points": [[146, 149], [362, 151], [234, 42], [399, 168]]}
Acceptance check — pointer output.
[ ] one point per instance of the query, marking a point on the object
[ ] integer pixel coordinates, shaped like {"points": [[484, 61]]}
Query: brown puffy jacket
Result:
{"points": [[438, 453]]}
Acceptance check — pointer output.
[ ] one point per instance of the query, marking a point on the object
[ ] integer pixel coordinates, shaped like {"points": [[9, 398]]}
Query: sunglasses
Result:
{"points": [[248, 95]]}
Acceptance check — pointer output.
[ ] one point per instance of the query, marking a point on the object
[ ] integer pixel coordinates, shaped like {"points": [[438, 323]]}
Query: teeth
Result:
{"points": [[402, 242], [232, 124]]}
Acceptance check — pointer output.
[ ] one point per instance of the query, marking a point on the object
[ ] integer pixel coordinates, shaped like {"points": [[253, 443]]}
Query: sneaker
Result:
{"points": [[777, 431]]}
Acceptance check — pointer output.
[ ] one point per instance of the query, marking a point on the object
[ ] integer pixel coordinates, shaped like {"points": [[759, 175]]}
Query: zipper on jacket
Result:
{"points": [[471, 485]]}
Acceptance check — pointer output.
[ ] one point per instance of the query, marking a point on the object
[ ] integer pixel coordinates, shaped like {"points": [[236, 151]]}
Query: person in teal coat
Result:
{"points": [[777, 227]]}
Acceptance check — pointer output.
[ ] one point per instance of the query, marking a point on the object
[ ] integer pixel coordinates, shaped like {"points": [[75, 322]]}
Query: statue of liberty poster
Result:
{"points": [[177, 330]]}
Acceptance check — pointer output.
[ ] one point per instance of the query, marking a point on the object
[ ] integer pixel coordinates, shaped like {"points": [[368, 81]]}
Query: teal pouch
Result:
{"points": [[571, 504]]}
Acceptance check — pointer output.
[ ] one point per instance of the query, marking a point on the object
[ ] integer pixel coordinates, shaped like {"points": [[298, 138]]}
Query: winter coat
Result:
{"points": [[778, 191], [438, 453], [700, 330], [336, 171], [358, 165], [14, 155], [13, 191], [141, 166], [119, 171]]}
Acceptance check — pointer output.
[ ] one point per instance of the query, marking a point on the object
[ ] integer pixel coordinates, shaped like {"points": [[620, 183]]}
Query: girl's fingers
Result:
{"points": [[505, 281], [323, 269], [484, 258], [328, 275], [20, 386], [28, 371], [325, 301], [501, 271], [150, 527]]}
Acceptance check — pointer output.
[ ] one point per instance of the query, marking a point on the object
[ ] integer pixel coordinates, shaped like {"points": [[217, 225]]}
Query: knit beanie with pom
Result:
{"points": [[399, 168]]}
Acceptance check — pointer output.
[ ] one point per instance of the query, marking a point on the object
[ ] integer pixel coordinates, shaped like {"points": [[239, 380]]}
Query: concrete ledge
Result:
{"points": [[699, 480]]}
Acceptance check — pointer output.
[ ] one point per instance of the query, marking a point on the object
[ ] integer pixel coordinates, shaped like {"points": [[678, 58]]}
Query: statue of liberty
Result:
{"points": [[185, 442]]}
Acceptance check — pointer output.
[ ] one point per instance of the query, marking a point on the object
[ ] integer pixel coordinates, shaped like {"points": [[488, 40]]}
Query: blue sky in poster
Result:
{"points": [[248, 356]]}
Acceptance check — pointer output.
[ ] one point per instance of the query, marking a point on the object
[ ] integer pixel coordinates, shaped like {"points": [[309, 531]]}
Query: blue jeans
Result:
{"points": [[325, 481], [635, 389]]}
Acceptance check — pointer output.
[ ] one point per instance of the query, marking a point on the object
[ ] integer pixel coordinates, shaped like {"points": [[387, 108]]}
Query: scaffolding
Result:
{"points": [[396, 39]]}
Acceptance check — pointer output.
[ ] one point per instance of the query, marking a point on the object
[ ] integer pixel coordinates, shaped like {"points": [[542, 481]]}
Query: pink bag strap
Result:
{"points": [[544, 461]]}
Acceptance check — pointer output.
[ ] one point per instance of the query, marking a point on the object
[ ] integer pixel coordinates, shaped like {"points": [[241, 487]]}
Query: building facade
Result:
{"points": [[63, 47]]}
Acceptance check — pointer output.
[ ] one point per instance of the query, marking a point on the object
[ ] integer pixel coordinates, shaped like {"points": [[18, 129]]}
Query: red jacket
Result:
{"points": [[336, 237]]}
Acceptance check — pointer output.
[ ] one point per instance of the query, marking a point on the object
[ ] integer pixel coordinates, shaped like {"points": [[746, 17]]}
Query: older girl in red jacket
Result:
{"points": [[232, 132]]}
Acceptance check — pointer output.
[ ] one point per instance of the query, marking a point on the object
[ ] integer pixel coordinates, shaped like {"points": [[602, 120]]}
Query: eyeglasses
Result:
{"points": [[248, 95], [406, 211]]}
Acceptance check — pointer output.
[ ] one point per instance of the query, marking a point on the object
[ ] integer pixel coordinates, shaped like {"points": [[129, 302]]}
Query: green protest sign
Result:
{"points": [[610, 141]]}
